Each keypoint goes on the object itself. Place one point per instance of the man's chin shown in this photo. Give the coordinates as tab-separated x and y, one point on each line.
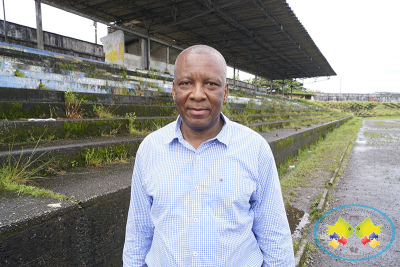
198	125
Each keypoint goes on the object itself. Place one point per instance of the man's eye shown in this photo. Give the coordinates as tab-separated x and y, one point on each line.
185	83
211	84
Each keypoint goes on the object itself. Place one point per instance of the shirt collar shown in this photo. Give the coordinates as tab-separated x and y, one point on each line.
223	135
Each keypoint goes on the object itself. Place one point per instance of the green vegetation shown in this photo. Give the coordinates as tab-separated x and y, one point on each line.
17	174
131	126
320	159
19	73
73	108
110	154
124	72
92	71
69	67
41	86
102	112
309	250
363	108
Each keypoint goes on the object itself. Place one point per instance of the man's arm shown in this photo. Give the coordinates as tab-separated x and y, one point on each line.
271	227
139	228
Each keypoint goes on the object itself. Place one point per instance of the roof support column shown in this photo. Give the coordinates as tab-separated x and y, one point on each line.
39	30
283	83
234	73
167	57
291	88
95	31
148	53
270	86
255	82
5	23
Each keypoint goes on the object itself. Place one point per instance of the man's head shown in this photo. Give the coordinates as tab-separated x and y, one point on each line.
200	87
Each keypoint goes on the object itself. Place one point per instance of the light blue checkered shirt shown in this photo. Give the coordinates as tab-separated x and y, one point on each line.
218	205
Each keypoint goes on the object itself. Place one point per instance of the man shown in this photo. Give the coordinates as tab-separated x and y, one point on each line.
205	190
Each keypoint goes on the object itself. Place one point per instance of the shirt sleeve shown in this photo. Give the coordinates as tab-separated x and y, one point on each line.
139	227
271	227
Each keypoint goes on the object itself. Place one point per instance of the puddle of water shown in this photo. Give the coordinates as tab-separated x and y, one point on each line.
297	220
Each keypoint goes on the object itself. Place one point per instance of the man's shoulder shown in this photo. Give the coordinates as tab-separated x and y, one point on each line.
244	134
160	136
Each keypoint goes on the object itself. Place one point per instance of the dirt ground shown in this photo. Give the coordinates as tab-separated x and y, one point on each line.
372	178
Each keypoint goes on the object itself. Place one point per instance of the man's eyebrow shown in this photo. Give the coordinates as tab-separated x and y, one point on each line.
185	77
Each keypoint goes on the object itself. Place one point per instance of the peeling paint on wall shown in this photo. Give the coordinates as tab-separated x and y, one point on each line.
114	47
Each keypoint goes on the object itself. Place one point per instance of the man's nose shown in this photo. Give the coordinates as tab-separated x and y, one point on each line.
198	92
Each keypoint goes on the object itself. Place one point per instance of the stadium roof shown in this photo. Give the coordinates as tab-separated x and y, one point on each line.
262	37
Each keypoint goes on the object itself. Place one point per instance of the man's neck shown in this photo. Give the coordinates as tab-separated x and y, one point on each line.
196	138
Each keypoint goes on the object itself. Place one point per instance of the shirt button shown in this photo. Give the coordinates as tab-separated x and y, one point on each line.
196	187
195	220
195	254
198	157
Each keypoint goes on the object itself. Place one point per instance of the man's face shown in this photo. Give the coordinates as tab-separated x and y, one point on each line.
200	89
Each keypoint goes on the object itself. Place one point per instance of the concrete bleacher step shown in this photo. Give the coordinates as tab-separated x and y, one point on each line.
39	65
25	131
16	103
18	95
68	153
57	110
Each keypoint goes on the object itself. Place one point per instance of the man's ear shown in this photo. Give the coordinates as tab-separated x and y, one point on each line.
173	90
226	92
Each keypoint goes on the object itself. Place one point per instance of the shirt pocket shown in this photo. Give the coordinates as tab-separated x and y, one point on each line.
229	193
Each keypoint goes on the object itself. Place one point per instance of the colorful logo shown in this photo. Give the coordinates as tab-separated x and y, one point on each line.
335	234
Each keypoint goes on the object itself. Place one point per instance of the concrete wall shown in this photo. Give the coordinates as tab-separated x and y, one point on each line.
379	97
92	234
289	146
26	36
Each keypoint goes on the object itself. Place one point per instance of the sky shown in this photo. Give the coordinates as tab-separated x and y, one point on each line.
359	38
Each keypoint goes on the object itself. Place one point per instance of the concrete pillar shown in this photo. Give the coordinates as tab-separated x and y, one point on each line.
271	82
148	54
291	88
255	82
234	77
95	31
167	60
39	30
5	23
143	49
283	84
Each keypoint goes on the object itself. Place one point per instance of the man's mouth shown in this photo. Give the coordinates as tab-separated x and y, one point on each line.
197	112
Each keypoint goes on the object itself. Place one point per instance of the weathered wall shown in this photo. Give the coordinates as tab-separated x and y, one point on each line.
90	235
380	97
288	147
114	47
26	36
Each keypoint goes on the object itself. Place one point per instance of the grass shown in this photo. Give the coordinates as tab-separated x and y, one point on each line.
310	248
69	67
18	174
111	154
19	73
363	108
322	159
103	112
131	123
73	108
